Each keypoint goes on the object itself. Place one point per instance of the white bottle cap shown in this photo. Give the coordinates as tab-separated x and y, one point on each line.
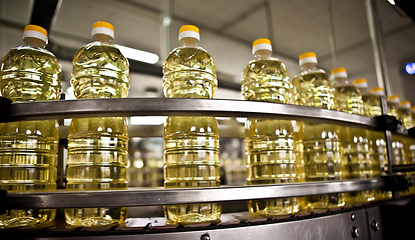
338	73
360	83
189	31
377	91
35	31
101	27
261	44
405	105
393	99
308	57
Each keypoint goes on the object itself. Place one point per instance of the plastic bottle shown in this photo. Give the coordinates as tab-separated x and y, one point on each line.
320	145
412	110
405	114
97	147
397	141
191	144
29	149
269	143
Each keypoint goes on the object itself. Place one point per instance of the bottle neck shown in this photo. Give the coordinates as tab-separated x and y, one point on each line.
262	54
34	42
103	38
189	42
308	66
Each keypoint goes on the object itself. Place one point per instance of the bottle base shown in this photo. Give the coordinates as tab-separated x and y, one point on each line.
94	217
26	218
186	214
274	207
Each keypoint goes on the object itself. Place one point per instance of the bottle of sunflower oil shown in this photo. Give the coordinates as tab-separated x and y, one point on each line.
408	142
269	143
366	158
29	149
404	113
377	143
397	141
97	147
320	142
412	110
191	144
356	158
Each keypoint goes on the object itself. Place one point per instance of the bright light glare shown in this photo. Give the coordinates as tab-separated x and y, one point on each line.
223	118
148	120
391	2
410	68
138	55
241	119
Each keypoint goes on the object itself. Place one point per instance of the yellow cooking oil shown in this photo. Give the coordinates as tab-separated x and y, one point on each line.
29	149
319	143
377	143
269	143
404	113
397	141
191	144
97	147
358	159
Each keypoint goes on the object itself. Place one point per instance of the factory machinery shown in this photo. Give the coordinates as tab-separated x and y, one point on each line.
362	221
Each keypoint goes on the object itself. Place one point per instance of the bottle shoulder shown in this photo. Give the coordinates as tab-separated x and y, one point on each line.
312	72
100	52
267	64
192	57
24	55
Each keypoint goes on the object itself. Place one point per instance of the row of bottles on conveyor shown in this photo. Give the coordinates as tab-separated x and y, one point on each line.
277	151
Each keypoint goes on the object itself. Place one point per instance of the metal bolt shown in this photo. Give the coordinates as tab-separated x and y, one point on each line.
205	237
374	225
353	217
355	232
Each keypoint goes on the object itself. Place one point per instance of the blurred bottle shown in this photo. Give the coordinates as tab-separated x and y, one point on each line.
412	110
374	148
29	149
404	113
97	147
397	141
191	144
269	143
320	145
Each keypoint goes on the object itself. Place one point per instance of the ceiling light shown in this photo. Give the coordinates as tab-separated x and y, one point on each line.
148	120
410	68
138	55
391	2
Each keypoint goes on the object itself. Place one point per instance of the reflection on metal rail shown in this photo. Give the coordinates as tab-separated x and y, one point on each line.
176	107
148	197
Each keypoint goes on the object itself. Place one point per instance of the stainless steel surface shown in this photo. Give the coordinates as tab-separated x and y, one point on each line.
159	196
377	45
338	226
374	223
184	107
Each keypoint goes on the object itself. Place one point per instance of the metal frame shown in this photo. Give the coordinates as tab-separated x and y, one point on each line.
181	107
151	197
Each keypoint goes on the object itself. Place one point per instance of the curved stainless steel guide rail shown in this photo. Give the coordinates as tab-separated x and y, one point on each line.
181	107
149	197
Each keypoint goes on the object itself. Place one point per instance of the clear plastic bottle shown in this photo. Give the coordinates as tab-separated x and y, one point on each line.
397	141
191	144
412	110
269	143
29	149
404	113
377	143
361	153
320	145
97	147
